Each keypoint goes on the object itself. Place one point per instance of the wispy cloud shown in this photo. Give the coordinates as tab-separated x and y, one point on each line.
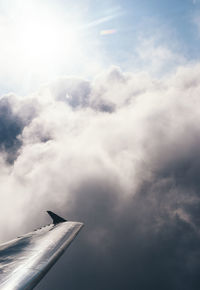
104	19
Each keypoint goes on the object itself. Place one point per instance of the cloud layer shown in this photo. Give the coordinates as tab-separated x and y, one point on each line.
120	153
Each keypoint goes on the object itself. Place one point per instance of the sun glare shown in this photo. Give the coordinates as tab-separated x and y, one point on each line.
44	39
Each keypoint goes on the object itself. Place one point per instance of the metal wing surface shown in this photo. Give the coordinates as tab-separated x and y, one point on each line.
24	261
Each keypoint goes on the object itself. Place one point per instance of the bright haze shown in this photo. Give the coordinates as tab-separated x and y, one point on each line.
99	122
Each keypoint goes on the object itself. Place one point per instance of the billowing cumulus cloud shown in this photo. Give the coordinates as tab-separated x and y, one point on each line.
120	153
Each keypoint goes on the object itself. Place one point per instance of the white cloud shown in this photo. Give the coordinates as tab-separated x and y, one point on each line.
120	152
152	124
157	57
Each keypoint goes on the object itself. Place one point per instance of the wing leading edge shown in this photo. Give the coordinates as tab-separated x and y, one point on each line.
25	260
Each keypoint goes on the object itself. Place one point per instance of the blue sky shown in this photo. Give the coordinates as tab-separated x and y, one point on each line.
171	23
45	40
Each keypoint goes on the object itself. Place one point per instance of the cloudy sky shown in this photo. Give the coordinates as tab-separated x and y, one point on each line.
100	122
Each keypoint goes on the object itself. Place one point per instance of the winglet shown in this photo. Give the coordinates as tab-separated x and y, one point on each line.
56	219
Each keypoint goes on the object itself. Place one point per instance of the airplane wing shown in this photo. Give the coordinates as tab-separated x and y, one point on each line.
24	261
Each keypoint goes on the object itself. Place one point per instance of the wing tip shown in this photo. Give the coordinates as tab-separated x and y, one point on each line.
56	218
